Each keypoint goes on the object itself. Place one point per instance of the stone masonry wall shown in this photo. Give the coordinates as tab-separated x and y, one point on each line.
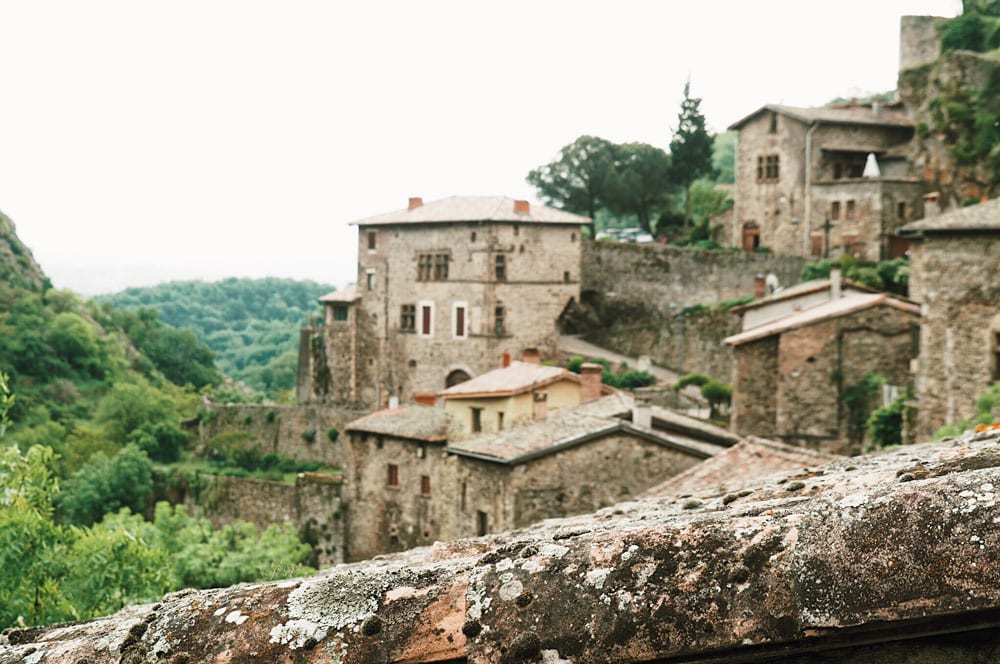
919	42
755	386
283	429
958	280
655	275
312	505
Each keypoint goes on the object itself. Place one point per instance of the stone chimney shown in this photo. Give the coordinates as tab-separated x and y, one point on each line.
759	286
393	401
522	207
642	411
541	405
531	356
590	381
836	281
506	359
415	202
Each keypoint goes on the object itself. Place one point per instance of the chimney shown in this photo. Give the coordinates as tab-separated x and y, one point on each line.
835	283
877	109
415	202
541	405
532	356
759	286
393	401
506	359
590	381
642	412
522	207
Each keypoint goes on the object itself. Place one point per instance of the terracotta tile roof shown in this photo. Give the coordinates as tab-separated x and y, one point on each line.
473	208
559	431
746	463
855	115
984	216
848	304
889	549
414	422
519	377
348	294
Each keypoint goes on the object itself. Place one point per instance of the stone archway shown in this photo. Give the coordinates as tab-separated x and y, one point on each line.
455	377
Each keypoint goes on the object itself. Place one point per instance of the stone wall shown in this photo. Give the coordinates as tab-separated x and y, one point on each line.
312	505
755	385
681	343
655	276
295	432
958	280
919	41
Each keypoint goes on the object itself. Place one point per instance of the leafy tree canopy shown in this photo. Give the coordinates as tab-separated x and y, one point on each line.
691	146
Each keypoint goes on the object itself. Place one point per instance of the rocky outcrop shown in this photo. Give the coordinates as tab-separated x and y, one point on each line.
17	266
882	555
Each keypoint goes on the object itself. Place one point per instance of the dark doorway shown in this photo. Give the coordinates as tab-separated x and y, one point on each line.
455	377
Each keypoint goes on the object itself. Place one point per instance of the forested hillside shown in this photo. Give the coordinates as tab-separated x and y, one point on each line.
252	325
92	401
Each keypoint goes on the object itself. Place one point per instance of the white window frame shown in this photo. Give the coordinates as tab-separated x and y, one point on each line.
462	304
370	278
420	318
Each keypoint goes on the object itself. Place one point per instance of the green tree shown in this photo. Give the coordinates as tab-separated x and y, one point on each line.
690	148
74	341
575	179
107	484
639	182
724	156
129	407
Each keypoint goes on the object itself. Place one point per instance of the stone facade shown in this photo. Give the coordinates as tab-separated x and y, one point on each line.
956	275
444	290
919	41
799	167
791	378
312	505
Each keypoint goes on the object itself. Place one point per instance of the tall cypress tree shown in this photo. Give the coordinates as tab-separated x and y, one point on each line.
690	149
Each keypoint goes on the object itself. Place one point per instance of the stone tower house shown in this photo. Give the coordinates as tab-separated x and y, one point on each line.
444	289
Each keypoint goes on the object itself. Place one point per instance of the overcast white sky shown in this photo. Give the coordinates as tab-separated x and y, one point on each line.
142	142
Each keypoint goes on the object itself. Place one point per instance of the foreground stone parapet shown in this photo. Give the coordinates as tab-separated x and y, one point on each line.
898	548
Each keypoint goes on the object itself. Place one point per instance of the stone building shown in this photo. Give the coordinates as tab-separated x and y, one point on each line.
792	300
444	289
955	274
520	393
794	378
414	477
825	181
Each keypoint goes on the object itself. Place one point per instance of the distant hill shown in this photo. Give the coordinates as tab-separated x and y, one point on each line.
17	266
252	325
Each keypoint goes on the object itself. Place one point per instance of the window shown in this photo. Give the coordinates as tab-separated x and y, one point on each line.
500	420
472	238
392	478
774	123
849	211
432	266
424	262
371	240
477	419
464	491
441	266
996	356
422	451
458	317
371	280
566	277
517	230
572	237
340	312
767	167
408	318
498	321
835	210
426	319
901	210
425	485
838	170
482	523
501	267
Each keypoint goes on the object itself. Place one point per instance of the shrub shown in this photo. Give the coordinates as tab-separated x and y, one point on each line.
885	425
309	435
332	434
698	379
717	394
270	416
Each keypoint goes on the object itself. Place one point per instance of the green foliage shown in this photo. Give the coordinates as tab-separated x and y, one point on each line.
251	325
74	341
106	484
332	435
690	148
892	276
129	407
693	378
6	402
858	399
885	425
639	183
625	378
986	403
724	156
633	378
574	180
309	435
717	394
975	30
